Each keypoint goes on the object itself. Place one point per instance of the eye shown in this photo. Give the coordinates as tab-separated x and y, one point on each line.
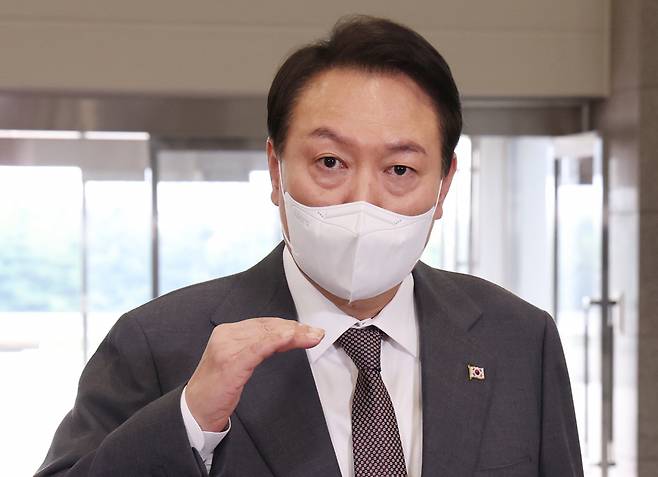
329	162
400	170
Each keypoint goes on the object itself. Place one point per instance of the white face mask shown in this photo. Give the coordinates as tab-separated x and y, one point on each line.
355	250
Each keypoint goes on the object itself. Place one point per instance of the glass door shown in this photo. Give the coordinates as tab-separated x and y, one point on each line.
581	303
73	256
538	230
214	212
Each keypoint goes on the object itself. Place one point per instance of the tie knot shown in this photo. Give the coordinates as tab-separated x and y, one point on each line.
363	346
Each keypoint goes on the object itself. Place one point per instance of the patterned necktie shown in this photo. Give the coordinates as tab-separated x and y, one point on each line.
376	441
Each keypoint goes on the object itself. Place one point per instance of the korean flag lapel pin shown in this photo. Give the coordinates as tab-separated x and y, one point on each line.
475	372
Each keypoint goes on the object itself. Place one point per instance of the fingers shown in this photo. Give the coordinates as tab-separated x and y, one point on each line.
301	337
233	352
289	334
272	335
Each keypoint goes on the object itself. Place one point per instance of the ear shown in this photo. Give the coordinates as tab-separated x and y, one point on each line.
445	187
274	166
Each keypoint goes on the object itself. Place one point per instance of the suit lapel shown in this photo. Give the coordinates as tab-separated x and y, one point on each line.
454	407
279	408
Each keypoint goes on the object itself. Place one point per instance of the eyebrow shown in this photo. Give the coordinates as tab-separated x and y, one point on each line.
395	146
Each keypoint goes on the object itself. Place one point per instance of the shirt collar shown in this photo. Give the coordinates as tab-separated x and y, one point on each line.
397	319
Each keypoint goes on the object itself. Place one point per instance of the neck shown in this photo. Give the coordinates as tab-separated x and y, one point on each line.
360	309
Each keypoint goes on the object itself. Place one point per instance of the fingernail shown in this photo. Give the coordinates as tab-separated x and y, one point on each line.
315	333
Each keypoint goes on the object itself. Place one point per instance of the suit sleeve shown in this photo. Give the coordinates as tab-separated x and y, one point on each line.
560	448
121	423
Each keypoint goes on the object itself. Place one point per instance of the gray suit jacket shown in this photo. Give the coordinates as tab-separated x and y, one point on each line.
519	421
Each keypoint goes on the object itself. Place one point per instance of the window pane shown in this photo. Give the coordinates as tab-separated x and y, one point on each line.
215	215
448	246
40	209
118	247
40	325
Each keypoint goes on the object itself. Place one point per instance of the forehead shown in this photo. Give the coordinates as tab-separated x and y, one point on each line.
370	104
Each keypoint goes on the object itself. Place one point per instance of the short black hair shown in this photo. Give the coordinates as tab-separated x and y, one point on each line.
374	45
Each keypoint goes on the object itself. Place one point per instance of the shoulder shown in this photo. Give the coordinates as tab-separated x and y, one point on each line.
502	314
179	315
186	305
191	308
487	295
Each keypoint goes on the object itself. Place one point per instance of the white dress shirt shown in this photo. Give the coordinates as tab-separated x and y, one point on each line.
335	374
203	441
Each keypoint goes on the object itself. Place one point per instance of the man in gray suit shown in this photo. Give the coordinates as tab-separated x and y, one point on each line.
339	353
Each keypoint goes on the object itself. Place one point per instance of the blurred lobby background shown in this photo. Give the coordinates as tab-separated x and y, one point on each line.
132	139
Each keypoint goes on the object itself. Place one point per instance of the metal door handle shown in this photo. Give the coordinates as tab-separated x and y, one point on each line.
607	364
588	302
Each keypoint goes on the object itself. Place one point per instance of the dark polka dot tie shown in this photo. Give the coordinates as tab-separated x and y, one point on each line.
376	441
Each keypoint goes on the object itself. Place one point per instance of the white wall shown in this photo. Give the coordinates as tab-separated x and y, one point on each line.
496	48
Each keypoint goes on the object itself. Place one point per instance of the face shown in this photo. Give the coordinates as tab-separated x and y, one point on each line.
358	136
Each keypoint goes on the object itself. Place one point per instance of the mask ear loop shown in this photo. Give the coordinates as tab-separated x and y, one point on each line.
438	198
286	239
280	175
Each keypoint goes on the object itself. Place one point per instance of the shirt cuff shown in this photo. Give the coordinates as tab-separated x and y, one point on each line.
203	441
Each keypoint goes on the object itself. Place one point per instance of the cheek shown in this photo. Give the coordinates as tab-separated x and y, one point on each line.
302	193
420	207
